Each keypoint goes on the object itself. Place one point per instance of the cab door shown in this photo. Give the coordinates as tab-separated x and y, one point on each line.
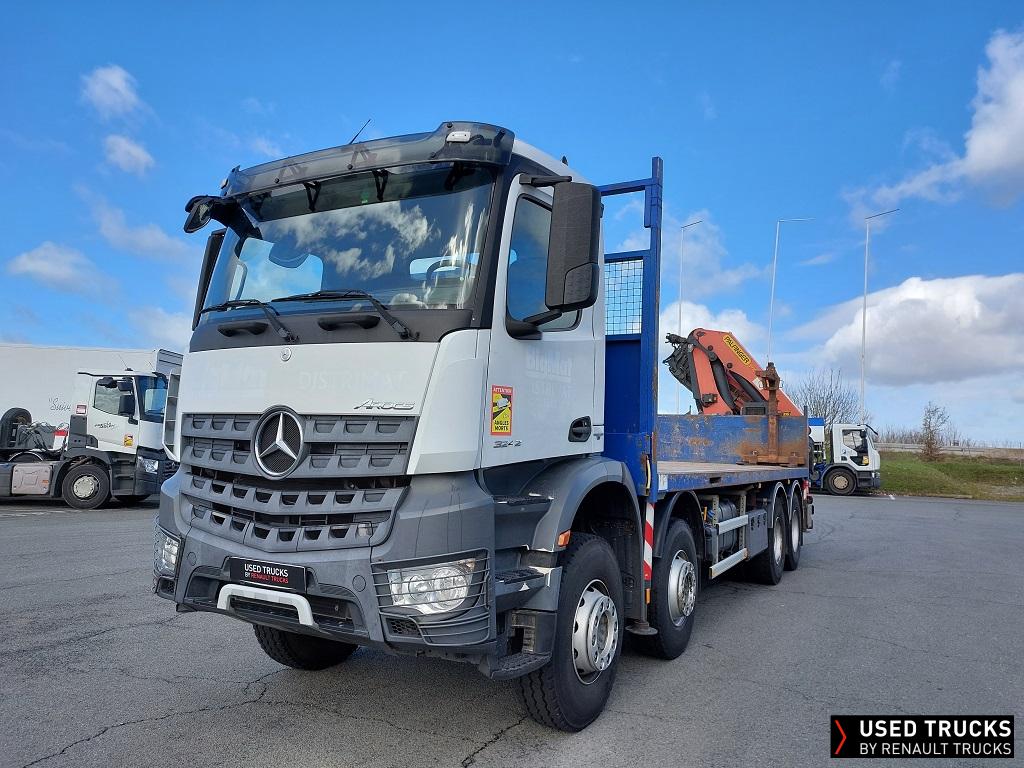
540	392
109	419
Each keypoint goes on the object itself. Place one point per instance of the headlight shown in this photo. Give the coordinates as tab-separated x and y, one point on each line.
165	552
434	588
152	466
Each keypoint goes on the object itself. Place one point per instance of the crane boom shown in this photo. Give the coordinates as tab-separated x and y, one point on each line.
723	377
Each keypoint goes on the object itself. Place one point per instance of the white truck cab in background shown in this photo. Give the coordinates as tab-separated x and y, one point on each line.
845	459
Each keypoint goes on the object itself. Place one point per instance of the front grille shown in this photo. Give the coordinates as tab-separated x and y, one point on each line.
337	446
342	493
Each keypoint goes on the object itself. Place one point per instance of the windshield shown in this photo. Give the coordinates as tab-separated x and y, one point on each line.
152	397
410	236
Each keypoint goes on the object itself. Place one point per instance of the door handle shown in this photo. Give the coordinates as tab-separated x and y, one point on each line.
580	429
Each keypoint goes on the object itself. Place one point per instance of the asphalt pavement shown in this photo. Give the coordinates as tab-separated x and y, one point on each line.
909	606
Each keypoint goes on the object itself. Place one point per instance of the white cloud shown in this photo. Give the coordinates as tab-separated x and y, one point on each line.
111	91
144	239
60	267
993	156
891	76
170	330
704	255
127	155
816	261
264	146
928	331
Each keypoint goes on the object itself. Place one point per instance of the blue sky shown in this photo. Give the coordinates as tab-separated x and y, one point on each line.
113	118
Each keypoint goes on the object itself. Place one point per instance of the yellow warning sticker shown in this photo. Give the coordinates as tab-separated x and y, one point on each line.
501	410
129	441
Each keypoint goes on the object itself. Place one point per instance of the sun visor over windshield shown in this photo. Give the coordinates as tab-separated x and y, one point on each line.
472	142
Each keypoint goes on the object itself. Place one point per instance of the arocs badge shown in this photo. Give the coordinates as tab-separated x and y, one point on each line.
501	410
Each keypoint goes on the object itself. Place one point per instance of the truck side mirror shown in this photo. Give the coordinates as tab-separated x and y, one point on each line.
126	405
573	276
200	211
213	243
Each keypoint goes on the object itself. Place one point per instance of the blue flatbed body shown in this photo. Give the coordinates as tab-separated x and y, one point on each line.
666	453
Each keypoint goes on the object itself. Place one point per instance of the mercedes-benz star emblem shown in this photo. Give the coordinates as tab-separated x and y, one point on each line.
279	443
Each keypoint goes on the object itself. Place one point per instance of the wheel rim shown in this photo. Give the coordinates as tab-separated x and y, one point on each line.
595	636
682	588
840	482
795	528
777	543
85	487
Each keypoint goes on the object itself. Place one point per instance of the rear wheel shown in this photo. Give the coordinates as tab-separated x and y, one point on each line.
767	566
86	486
674	588
795	535
301	651
571	690
840	482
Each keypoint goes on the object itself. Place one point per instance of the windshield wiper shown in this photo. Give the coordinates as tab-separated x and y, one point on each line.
268	310
403	330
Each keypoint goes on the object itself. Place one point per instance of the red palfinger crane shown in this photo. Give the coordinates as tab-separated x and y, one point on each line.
722	375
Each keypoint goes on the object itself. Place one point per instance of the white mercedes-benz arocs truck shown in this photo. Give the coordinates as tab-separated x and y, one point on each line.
418	412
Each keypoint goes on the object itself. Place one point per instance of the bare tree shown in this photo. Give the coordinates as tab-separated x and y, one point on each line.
823	393
933	427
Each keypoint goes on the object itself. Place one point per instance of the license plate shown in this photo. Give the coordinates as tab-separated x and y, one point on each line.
276	575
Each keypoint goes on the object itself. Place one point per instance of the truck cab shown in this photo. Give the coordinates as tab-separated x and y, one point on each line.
846	460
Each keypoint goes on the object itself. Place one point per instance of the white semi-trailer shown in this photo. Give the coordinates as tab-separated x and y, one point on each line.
417	413
83	424
41	379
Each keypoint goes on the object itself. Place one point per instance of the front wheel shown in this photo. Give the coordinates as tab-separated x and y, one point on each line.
674	588
86	486
571	690
301	651
840	482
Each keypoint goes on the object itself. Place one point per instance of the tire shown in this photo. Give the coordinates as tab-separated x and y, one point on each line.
559	695
672	609
795	537
767	567
86	486
131	499
840	482
301	651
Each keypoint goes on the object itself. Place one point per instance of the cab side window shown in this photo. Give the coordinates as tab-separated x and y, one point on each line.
528	264
106	399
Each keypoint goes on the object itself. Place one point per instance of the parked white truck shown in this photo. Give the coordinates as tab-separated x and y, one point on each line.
418	413
845	458
83	424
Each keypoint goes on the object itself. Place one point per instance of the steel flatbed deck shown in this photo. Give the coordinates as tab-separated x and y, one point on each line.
701	475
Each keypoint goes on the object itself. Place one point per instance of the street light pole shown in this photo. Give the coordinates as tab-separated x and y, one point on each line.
771	301
679	301
864	310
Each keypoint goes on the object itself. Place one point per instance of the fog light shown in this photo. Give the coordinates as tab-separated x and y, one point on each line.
165	552
434	588
151	466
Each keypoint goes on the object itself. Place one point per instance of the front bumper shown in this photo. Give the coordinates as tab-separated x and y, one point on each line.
869	480
440	518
